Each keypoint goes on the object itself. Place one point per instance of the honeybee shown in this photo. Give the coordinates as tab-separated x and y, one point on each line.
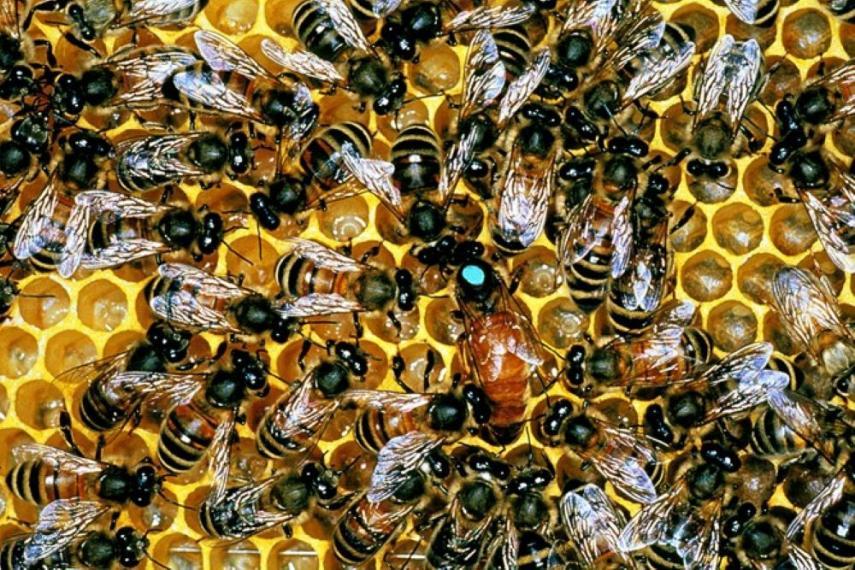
43	475
41	237
809	308
398	486
282	499
502	349
762	543
311	268
203	424
189	297
291	426
119	385
149	162
842	9
51	543
593	525
233	84
760	13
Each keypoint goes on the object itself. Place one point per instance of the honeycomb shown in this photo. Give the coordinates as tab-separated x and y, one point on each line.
725	257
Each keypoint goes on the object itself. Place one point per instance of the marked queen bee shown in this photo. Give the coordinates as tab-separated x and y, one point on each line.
189	297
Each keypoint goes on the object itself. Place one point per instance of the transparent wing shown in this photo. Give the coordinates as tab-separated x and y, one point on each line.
644	283
323	256
657	70
173	389
591	521
207	284
638	30
740	365
745	10
622	462
800	559
121	252
160	12
301	62
76	230
59	458
375	175
382	8
345	24
521	88
34	221
300	412
391	402
741	87
183	308
658	357
578	238
147	72
220	459
456	162
698	544
9	17
59	524
830	494
749	391
485	17
222	54
318	305
485	74
832	224
713	80
157	160
650	525
88	371
398	458
622	236
205	87
129	207
814	422
524	202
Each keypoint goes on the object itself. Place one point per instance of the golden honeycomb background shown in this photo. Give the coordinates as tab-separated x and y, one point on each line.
724	259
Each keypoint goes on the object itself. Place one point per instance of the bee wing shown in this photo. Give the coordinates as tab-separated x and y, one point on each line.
35	219
842	74
301	62
219	458
831	224
698	546
9	21
485	17
749	392
89	370
318	305
650	524
485	74
59	524
375	175
392	402
591	522
639	30
622	237
58	457
148	71
206	88
207	284
222	54
121	252
76	230
713	80
807	417
658	69
800	559
129	207
524	202
157	159
578	238
159	12
647	274
658	358
301	412
323	256
183	308
679	313
806	304
594	14
382	8
741	87
521	88
175	389
508	544
345	24
398	458
745	10
457	160
622	462
830	494
742	364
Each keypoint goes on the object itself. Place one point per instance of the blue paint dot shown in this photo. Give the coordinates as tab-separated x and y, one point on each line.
474	275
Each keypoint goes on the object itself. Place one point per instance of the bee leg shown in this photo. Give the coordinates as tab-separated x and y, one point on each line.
431	361
398	366
516	278
49	56
287	531
99	447
358	326
114	519
48	6
395	322
72	39
304	350
67	435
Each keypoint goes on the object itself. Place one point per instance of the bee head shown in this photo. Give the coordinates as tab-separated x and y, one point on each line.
97	550
392	97
146	484
476	280
322	481
575	367
446	413
209	152
255	313
557	415
68	94
331	378
211	234
352	357
478	403
171	343
132	547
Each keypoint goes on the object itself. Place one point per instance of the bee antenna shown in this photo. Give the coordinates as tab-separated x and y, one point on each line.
155	561
166	499
238	254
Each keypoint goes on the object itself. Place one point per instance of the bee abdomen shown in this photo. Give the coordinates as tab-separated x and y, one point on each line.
771	437
316	30
30	482
180	447
320	157
588	279
514	49
97	413
353	541
834	535
370	431
416	157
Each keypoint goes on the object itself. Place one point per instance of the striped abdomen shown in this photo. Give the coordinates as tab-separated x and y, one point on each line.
416	156
185	436
320	157
297	277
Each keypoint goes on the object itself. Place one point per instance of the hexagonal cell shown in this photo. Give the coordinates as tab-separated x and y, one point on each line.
293	555
423	368
236	556
538	272
765	35
359	464
102	306
702	21
738	228
690	228
179	552
775	331
763	185
440	322
732	325
560	323
847	37
18	352
68	349
791	229
232	17
412	113
344	220
754	277
806	33
254	260
711	191
39	404
43	302
821	264
706	276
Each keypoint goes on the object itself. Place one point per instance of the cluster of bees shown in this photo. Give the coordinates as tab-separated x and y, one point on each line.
671	450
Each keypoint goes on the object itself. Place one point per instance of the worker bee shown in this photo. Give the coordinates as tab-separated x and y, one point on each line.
43	475
189	297
119	385
150	162
203	424
502	349
107	229
762	542
399	484
760	13
826	522
41	237
417	156
230	83
459	540
292	425
842	9
311	268
809	307
281	499
593	525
